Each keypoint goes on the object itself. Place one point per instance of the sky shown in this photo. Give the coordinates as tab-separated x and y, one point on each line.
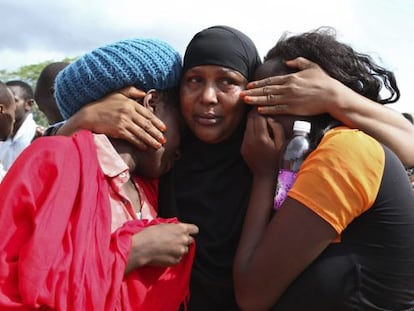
43	30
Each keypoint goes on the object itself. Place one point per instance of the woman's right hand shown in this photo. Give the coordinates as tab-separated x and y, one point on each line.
119	115
161	245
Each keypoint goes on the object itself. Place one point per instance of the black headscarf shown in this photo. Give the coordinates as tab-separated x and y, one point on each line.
222	46
210	184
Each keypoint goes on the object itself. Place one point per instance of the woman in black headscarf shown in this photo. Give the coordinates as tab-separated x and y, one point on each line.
210	183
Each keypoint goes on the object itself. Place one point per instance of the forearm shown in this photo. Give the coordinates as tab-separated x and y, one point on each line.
75	123
384	124
137	255
255	224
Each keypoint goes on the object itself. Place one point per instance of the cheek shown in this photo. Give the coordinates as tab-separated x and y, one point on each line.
173	136
186	105
19	109
6	125
234	110
171	119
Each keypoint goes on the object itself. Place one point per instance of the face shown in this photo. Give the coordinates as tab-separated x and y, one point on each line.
47	105
7	115
154	163
210	101
22	106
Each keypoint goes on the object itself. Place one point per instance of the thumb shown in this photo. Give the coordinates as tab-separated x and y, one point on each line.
191	228
132	92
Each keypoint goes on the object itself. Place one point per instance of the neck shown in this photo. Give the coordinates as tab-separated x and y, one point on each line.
18	123
125	151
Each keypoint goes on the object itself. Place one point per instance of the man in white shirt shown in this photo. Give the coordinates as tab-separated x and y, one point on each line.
24	128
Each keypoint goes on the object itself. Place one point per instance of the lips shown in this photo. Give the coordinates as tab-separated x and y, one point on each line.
207	119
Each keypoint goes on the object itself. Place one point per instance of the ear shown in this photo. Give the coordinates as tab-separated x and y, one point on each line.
151	100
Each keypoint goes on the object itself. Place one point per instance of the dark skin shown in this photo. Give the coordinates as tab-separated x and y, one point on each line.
7	112
263	267
162	244
288	94
210	101
44	91
129	120
311	91
23	107
273	251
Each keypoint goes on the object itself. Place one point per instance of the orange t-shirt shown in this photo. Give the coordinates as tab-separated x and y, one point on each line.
338	181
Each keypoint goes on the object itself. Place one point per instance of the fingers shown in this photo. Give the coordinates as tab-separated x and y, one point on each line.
138	136
273	110
153	120
259	126
267	92
145	129
132	92
187	240
278	132
147	120
263	87
140	139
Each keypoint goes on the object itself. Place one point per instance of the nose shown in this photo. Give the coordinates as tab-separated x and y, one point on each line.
209	94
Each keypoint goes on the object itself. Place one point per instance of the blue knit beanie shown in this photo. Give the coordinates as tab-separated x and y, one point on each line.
144	63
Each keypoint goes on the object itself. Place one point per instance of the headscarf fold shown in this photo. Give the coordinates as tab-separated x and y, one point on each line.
223	46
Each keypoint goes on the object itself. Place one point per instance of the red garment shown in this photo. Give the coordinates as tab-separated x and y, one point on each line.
56	249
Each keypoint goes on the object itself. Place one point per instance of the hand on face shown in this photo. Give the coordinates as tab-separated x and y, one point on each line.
164	244
262	143
118	115
153	163
307	92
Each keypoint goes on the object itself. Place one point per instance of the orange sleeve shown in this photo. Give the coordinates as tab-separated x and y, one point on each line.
340	179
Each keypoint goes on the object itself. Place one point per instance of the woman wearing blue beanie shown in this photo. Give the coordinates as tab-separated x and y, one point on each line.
210	183
80	229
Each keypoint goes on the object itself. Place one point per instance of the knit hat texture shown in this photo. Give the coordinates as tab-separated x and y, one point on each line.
144	63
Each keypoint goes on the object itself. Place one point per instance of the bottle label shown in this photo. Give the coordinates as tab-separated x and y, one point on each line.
285	180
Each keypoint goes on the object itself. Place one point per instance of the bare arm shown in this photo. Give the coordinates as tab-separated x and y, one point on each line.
272	252
311	91
118	115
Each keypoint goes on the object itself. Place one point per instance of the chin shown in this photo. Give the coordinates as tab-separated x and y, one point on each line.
210	138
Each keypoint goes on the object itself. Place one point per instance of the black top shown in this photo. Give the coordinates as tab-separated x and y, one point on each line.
210	187
372	268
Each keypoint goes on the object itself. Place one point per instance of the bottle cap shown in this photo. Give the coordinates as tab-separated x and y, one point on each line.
303	126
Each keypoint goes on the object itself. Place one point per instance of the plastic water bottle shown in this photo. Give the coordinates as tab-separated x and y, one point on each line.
295	152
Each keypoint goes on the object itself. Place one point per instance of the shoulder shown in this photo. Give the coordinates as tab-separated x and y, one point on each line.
351	146
59	147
